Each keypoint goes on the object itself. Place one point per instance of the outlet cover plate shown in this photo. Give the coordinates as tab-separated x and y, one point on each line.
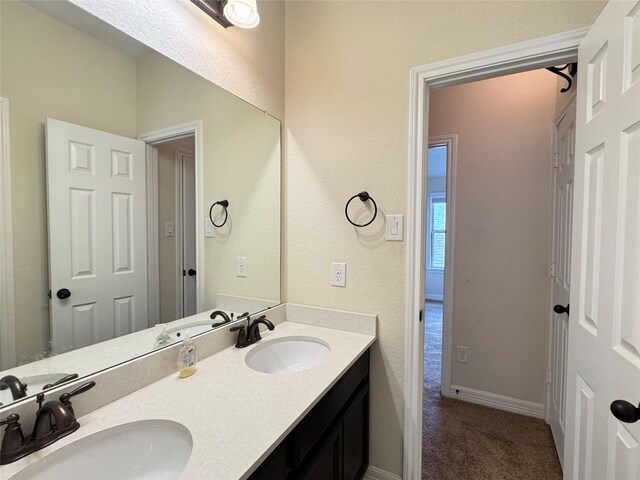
241	266
338	274
462	354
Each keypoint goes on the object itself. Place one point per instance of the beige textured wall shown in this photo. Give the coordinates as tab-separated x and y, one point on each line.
167	213
248	63
502	234
347	72
45	74
241	163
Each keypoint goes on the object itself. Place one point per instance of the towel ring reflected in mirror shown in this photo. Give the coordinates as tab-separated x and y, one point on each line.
224	204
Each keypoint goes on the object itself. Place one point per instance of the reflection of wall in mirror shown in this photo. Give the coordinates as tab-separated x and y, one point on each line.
241	163
50	69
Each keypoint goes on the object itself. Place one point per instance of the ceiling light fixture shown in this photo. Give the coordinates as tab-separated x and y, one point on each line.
241	13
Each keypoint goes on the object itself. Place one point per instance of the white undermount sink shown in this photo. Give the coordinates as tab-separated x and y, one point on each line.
287	354
150	449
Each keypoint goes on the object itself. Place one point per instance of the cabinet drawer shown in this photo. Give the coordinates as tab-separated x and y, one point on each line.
324	414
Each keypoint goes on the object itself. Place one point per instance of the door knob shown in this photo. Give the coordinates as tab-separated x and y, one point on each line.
625	411
560	309
191	272
63	293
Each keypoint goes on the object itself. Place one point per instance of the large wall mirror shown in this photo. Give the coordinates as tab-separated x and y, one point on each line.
144	198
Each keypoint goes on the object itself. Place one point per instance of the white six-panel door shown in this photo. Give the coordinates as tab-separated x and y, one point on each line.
97	235
604	327
564	159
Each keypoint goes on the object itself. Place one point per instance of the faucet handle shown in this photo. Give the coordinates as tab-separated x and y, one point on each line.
13	439
65	397
66	379
11	421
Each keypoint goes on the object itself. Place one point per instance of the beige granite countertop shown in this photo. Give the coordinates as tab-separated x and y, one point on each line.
236	416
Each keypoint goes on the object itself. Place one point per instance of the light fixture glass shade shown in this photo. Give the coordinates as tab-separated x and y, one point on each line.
242	13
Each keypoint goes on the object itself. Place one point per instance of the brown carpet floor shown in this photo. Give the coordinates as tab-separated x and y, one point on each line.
466	441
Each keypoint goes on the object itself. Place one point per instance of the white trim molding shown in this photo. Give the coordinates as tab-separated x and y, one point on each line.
175	132
500	402
375	473
451	142
7	308
179	227
537	53
153	260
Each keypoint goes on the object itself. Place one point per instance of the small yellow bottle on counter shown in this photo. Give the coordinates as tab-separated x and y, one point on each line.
187	357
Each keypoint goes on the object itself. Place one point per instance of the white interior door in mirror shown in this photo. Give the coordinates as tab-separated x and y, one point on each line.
604	326
189	303
97	235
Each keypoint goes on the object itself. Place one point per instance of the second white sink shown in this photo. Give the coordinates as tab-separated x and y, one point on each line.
287	354
150	450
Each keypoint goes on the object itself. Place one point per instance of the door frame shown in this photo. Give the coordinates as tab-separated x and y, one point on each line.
194	128
7	299
519	57
451	141
179	232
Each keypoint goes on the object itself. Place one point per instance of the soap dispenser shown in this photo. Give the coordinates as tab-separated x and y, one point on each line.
187	357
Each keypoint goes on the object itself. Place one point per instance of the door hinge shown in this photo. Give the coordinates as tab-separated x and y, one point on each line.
552	269
548	375
554	160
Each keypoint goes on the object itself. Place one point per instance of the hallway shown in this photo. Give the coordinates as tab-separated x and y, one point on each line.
466	441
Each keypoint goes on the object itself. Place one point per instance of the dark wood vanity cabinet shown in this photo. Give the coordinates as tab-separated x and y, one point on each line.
332	441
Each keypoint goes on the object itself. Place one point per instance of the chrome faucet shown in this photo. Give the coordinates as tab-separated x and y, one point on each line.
54	420
17	388
252	333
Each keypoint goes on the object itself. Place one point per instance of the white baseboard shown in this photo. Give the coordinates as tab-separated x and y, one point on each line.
435	298
500	402
375	473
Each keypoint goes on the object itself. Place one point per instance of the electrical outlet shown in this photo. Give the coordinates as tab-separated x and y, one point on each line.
241	266
462	355
339	274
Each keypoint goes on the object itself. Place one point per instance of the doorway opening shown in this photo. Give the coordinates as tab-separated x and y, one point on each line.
176	215
438	157
176	226
491	346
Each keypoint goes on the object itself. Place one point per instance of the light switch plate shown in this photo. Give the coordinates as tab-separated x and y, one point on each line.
209	231
241	266
169	229
395	227
338	274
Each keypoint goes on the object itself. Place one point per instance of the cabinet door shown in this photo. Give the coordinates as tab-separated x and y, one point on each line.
277	465
326	462
355	436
